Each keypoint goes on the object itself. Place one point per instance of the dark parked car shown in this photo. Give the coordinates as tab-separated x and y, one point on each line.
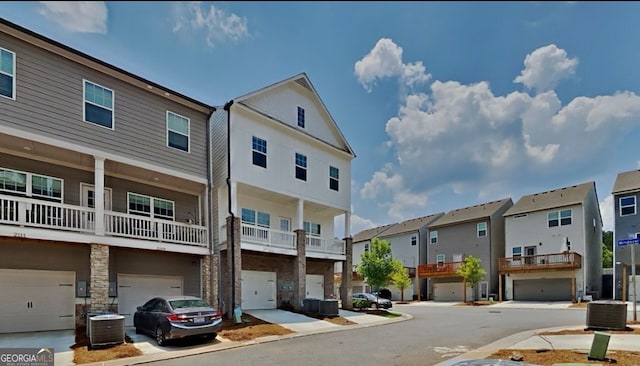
383	293
175	317
372	301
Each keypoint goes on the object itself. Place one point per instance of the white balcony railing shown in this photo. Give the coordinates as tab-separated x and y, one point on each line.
323	245
57	216
268	237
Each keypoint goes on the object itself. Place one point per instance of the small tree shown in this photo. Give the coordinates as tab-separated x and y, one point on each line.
400	279
377	264
471	271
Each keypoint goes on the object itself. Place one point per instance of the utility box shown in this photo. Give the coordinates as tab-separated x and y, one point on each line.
599	346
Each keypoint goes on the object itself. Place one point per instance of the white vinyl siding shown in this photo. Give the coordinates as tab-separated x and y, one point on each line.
178	130
627	206
7	74
139	204
31	185
98	104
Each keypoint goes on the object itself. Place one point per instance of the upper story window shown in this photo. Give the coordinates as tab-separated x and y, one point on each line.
557	218
414	240
433	236
481	228
7	73
259	147
98	104
366	247
31	185
301	167
334	178
150	206
312	228
627	206
300	117
440	258
516	252
254	217
178	131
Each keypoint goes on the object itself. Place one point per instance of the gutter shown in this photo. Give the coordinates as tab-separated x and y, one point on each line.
209	188
231	239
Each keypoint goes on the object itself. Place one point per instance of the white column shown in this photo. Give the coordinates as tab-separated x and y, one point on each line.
300	214
99	194
347	224
234	198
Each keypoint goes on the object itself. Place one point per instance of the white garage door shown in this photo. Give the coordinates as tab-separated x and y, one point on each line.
258	290
135	290
315	287
36	300
451	291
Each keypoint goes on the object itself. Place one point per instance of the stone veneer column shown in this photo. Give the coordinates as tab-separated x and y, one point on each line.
215	282
234	268
300	270
205	272
99	290
346	289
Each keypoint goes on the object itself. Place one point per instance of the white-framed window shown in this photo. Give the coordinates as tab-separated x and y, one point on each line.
627	205
253	217
414	240
433	236
301	167
98	104
142	205
366	247
440	258
481	229
334	178
300	117
7	74
259	148
516	252
559	218
31	185
312	228
178	131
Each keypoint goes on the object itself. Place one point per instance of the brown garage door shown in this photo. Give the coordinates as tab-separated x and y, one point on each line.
552	289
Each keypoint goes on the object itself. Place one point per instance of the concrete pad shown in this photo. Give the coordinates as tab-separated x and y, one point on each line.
626	342
290	320
361	318
60	340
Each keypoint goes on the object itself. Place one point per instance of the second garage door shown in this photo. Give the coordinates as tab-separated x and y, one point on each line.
450	291
258	290
135	290
550	289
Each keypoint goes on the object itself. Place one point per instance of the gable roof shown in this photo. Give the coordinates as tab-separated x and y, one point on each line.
410	225
368	234
561	197
627	182
303	80
471	213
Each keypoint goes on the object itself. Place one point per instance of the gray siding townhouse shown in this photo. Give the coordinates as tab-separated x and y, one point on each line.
471	231
103	187
626	192
284	178
553	246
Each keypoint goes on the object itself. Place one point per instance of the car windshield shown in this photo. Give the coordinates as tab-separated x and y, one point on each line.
370	297
188	303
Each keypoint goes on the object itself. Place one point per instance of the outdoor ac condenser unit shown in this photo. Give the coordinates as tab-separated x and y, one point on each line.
607	315
107	329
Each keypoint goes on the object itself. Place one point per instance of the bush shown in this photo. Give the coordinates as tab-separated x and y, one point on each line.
360	304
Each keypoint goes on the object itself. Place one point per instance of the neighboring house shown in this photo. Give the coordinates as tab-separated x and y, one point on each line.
553	246
471	231
626	193
285	176
103	187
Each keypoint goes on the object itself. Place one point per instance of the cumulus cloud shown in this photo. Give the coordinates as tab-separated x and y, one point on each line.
385	61
545	67
606	210
77	16
216	24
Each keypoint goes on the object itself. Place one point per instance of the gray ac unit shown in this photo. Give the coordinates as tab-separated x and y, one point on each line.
328	308
607	315
106	329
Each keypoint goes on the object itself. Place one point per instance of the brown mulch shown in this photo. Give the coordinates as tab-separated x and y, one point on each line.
250	328
550	357
82	353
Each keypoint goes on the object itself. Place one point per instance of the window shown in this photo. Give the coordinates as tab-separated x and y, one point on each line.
7	73
565	217
46	187
556	218
516	252
13	182
300	117
414	240
141	205
552	218
253	217
433	237
301	167
628	206
440	258
259	147
334	178
98	105
248	216
311	228
481	229
264	219
366	247
178	131
31	185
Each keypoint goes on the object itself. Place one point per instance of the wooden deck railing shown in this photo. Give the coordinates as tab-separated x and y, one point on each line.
542	262
443	269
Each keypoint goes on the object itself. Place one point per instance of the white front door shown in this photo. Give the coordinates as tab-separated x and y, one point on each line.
87	199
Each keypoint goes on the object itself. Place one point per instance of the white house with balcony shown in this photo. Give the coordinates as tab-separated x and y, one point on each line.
284	179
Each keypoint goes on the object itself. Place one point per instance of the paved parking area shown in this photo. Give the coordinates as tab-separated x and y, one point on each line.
60	340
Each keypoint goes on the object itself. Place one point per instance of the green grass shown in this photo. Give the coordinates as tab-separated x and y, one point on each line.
391	314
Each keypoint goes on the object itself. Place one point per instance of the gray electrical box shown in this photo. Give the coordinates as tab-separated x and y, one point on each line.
113	289
81	289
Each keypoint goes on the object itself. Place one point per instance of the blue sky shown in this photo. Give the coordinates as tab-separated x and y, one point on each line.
446	104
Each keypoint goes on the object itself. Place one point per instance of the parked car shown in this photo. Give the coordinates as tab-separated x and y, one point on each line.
383	293
167	318
372	301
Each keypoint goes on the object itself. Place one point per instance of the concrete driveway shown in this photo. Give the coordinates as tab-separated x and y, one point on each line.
60	340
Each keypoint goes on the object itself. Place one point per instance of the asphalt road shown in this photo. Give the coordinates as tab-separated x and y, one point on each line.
435	334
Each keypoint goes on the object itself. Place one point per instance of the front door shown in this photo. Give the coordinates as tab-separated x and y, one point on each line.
87	199
530	252
484	290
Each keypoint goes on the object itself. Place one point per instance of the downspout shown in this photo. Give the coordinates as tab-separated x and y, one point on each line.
208	198
231	239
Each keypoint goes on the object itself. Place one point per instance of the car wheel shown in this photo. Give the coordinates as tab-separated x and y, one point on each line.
160	337
138	330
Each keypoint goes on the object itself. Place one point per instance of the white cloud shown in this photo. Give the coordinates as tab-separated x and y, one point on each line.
77	16
384	61
606	210
217	25
359	223
545	67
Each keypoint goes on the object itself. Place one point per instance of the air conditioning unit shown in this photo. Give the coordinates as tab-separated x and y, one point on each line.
607	315
328	308
106	329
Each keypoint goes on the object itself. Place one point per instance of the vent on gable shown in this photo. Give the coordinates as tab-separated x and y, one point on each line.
303	82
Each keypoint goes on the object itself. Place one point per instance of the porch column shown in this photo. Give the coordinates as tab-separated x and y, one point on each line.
98	198
347	224
300	215
300	270
573	286
234	197
234	261
499	287
99	280
205	272
346	287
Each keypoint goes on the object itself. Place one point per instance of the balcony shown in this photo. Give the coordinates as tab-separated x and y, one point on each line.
543	262
315	244
442	269
32	213
267	237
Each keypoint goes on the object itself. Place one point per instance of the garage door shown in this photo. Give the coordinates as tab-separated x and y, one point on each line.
258	290
551	289
36	300
315	286
451	291
135	290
